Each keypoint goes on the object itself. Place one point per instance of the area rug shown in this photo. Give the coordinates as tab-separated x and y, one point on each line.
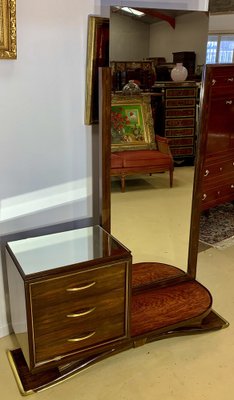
217	226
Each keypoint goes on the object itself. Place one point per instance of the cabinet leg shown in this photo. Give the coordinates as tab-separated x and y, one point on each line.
123	183
171	177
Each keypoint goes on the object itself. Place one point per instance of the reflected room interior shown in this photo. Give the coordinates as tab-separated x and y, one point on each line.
145	49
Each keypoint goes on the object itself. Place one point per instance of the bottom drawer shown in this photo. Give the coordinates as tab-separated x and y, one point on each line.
217	195
182	151
95	333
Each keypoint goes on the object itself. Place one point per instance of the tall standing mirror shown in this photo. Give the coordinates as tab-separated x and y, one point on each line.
149	205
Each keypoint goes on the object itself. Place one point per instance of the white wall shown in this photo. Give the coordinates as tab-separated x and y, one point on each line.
45	148
222	23
164	40
129	39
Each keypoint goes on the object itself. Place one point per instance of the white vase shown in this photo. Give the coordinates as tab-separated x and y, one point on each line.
179	73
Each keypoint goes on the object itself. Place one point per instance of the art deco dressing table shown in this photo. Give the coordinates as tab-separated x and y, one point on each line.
76	298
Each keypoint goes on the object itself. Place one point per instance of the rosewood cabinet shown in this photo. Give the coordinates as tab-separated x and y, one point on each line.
218	136
69	294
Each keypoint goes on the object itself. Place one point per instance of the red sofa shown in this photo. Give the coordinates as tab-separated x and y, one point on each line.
133	162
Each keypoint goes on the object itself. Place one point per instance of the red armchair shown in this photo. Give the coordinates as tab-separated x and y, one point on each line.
133	162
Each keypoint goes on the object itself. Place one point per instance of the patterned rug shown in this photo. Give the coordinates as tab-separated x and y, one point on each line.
217	226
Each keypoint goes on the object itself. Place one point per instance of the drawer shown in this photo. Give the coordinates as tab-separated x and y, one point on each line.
218	169
222	78
70	313
182	151
218	187
218	193
50	318
181	141
68	335
179	122
179	132
174	103
181	92
77	286
182	112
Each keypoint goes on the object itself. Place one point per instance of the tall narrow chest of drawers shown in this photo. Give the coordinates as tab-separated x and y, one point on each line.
69	295
217	131
179	115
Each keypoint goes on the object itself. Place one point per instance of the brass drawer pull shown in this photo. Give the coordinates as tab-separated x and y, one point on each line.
228	101
206	172
81	313
213	82
79	339
221	168
77	289
230	79
232	186
204	197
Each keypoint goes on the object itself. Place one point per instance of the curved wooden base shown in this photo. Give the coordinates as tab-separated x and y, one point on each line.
166	302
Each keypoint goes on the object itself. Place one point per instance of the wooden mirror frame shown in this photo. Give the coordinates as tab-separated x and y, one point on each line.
105	178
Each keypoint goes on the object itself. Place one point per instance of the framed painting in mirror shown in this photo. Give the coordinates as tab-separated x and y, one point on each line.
8	29
131	123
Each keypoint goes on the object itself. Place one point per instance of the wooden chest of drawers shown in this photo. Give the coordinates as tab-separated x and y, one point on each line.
218	132
179	109
61	312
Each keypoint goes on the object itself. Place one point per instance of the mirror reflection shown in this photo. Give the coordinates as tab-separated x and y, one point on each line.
146	49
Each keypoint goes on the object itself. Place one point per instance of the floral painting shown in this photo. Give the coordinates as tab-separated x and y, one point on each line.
127	124
131	123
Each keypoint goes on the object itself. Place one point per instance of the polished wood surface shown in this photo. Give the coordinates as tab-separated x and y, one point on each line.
217	128
158	313
89	307
165	307
71	308
105	147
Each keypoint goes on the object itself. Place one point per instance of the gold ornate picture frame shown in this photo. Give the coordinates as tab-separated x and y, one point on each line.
8	29
131	123
97	56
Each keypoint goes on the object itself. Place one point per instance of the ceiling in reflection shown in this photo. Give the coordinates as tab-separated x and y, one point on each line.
151	16
221	6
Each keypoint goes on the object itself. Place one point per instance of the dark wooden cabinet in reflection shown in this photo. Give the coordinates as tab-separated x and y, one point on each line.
143	72
178	117
218	133
188	59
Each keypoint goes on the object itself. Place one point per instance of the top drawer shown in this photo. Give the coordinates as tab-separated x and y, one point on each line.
221	76
93	282
181	92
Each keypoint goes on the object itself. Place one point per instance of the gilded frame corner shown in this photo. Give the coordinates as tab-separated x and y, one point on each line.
8	45
141	103
97	56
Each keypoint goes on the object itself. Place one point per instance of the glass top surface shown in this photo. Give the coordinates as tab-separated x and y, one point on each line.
56	250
